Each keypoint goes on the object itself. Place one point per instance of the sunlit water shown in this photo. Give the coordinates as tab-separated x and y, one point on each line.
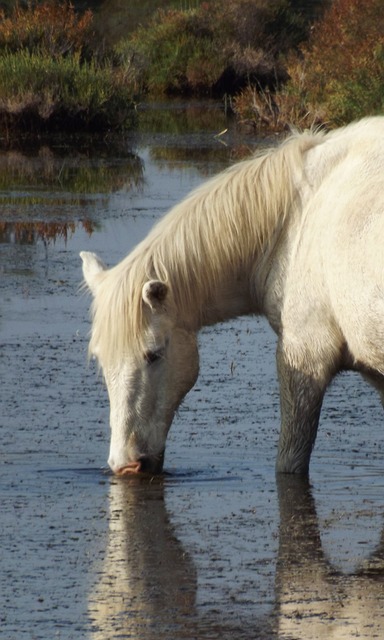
214	548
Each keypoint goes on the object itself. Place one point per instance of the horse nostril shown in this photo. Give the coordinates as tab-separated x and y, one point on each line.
151	464
142	463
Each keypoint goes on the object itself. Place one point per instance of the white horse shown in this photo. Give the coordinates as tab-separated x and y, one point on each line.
296	234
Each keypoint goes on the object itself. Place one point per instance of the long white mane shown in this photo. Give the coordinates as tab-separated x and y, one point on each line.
223	225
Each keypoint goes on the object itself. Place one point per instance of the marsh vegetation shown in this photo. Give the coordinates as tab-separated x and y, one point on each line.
274	63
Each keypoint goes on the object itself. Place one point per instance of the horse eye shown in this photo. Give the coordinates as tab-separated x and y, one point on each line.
153	356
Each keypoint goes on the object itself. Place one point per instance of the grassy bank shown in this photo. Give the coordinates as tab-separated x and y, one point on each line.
53	76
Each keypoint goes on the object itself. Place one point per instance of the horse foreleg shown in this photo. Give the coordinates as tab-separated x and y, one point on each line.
301	397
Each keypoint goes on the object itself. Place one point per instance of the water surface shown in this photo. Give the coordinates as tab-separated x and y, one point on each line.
215	548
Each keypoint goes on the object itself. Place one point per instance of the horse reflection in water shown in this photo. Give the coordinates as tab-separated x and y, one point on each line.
316	601
148	584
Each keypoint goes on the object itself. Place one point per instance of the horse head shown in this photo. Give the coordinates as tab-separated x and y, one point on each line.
145	385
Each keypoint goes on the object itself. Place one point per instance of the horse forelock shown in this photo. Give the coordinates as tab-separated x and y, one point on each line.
221	226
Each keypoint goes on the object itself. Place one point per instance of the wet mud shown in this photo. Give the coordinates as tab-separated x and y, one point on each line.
217	547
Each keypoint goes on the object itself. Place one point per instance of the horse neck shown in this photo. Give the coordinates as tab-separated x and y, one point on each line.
242	291
218	240
229	299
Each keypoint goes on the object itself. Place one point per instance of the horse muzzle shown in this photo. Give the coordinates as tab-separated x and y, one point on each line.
152	465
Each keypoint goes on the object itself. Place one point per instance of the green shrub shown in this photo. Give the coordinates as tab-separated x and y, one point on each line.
213	48
167	53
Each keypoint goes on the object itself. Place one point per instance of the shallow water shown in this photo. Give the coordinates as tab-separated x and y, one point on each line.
215	548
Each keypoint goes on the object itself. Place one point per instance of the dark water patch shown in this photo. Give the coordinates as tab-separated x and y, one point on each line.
195	476
86	475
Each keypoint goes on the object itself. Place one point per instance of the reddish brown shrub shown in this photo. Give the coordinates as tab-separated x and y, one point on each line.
341	75
51	27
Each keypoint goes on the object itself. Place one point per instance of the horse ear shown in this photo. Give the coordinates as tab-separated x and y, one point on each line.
93	267
154	293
